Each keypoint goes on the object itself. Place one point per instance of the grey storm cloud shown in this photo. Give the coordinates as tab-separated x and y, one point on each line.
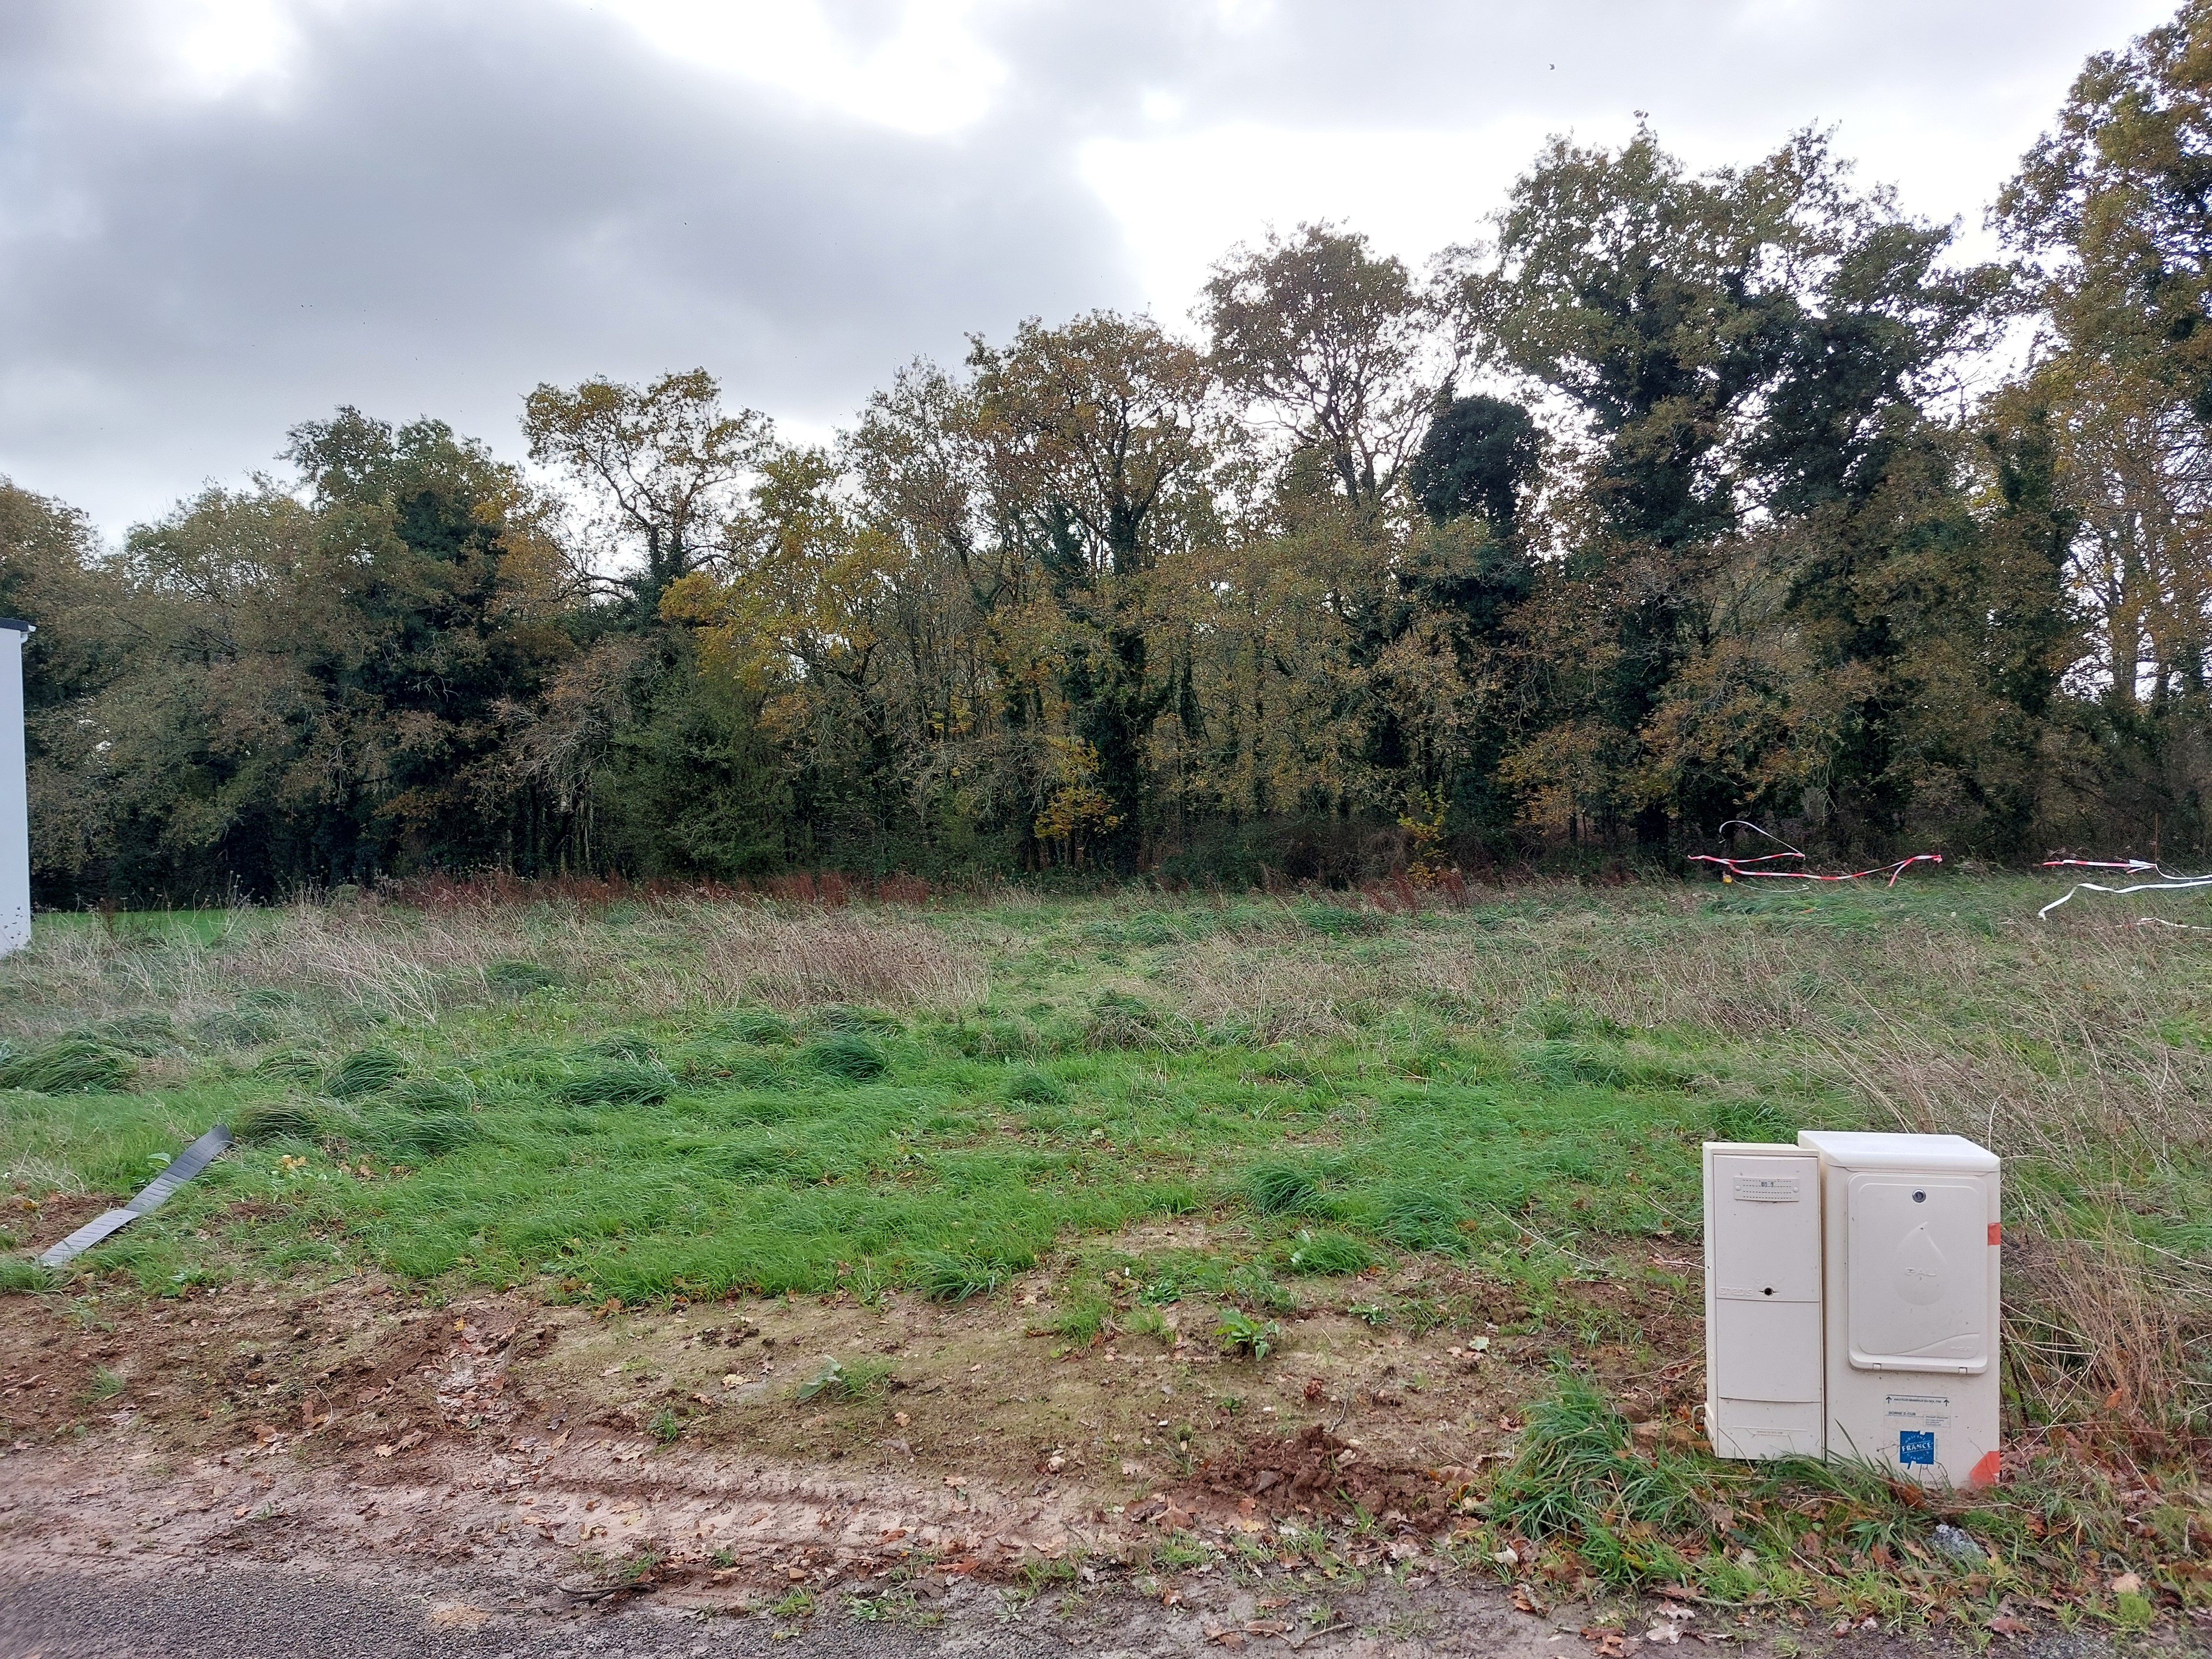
435	206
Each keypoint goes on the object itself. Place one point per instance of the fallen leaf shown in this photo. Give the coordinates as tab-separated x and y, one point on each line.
2127	1583
1608	1643
1524	1602
2005	1625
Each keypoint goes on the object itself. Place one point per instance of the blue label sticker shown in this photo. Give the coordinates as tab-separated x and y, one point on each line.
1915	1446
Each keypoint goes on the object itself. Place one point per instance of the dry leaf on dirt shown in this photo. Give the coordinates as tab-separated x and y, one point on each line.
1608	1643
2006	1625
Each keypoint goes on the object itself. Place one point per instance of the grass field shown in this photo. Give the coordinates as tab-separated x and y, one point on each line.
650	1102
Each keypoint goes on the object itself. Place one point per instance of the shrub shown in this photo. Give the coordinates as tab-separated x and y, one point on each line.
363	1073
68	1065
847	1055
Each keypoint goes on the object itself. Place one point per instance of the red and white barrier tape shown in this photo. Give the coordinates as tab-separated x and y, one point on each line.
1732	868
2166	883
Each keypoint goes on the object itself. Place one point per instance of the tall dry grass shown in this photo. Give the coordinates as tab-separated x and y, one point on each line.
389	961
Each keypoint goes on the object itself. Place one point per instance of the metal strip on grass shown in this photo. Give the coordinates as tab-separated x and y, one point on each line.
187	1165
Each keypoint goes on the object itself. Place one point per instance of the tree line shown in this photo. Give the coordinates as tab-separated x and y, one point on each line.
1677	498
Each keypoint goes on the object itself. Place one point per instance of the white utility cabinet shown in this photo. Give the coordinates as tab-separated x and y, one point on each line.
1911	1231
1852	1301
15	794
1763	1379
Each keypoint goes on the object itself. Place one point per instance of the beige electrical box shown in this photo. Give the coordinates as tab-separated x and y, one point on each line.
1764	1331
1911	1248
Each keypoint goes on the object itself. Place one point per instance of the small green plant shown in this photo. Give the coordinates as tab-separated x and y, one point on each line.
1238	1333
105	1385
20	1278
1083	1317
1146	1320
945	1277
837	1380
631	1570
1180	1551
665	1427
1370	1313
799	1604
868	1609
724	1557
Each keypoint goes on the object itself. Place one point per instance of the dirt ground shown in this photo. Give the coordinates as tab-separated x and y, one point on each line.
497	1465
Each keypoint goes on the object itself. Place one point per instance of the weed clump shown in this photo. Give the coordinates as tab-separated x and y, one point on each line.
1282	1189
235	1028
20	1278
1576	1477
1329	1253
423	1134
292	1065
277	1120
1036	1088
1414	1218
846	1055
762	1027
518	978
68	1065
363	1073
434	1094
619	1083
945	1277
837	1380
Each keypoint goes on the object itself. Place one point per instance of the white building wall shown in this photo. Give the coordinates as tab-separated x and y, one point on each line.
14	804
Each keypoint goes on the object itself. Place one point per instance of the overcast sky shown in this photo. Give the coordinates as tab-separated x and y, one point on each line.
219	217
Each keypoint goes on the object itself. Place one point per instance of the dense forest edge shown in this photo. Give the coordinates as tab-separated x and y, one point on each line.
1673	498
